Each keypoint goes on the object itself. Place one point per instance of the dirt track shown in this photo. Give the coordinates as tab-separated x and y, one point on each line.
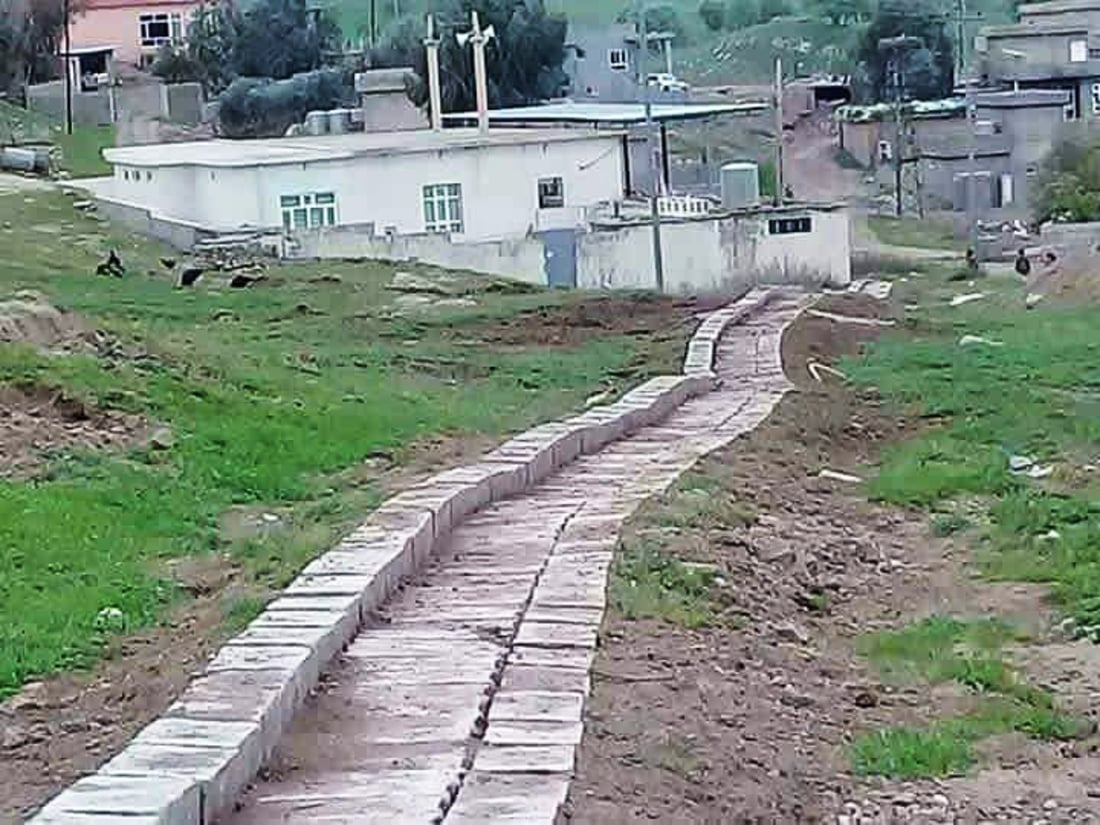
748	721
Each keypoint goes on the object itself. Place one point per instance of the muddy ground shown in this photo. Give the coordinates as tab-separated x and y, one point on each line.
747	722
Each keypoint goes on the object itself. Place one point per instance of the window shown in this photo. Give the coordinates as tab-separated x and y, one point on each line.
1006	190
160	29
551	193
443	207
790	226
617	60
1079	50
885	151
1096	99
308	211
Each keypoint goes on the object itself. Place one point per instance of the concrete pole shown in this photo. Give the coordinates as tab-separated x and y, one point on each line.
778	96
435	96
651	149
972	166
668	54
68	70
479	40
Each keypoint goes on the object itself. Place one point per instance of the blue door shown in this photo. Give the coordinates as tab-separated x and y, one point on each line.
559	251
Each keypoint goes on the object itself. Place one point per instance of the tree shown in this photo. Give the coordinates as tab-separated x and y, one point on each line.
927	70
740	14
660	18
713	14
843	12
31	34
272	39
1069	181
771	9
259	107
523	62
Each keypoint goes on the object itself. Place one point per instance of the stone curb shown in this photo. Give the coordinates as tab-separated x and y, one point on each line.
190	766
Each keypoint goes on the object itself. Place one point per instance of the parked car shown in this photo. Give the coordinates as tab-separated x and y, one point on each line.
667	82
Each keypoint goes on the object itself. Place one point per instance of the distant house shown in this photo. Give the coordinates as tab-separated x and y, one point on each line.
1055	46
136	29
602	64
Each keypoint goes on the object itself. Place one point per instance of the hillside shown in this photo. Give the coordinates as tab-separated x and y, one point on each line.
802	36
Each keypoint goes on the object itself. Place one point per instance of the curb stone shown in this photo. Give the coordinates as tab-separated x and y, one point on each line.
189	766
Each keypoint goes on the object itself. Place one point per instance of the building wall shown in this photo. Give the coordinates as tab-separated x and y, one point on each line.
591	76
1075	17
119	27
717	255
520	258
499	188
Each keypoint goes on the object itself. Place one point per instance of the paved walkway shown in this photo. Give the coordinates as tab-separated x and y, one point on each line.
463	703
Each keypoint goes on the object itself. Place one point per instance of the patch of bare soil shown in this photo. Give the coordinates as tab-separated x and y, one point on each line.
748	722
39	422
576	323
58	730
28	318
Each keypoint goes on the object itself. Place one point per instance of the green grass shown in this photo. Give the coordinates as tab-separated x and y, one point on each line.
82	151
274	396
940	650
1035	396
914	233
648	582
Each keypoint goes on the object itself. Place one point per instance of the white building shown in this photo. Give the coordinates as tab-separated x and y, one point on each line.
470	186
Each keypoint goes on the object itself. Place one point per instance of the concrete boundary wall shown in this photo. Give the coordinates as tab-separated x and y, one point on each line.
191	765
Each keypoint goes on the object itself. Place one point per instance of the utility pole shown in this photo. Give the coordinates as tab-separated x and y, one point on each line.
435	97
778	97
897	46
479	39
972	165
68	70
651	148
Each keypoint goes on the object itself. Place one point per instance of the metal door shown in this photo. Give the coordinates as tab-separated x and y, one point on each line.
559	254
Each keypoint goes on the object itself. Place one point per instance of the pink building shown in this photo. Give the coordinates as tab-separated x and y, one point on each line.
135	28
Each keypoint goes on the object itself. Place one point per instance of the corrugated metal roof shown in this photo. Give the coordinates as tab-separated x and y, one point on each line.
1034	29
609	113
1059	7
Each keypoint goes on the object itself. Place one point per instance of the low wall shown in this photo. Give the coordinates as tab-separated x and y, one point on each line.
89	108
1071	237
180	235
519	258
723	255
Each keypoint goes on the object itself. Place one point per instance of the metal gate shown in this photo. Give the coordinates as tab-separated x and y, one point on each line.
559	255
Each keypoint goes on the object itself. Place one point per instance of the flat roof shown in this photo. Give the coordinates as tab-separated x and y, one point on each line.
916	109
1044	29
310	149
1023	99
1058	7
622	114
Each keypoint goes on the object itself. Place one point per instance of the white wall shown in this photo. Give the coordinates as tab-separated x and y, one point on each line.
499	187
718	255
521	258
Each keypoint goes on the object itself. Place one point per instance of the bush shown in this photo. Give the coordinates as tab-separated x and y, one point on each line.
713	14
259	107
1069	184
176	66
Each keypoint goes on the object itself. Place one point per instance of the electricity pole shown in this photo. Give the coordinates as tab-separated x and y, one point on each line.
68	70
651	148
896	47
779	171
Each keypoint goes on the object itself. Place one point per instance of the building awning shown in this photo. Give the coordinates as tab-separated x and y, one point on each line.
615	114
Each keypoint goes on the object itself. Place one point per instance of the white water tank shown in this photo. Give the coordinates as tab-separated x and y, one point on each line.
339	121
317	123
740	185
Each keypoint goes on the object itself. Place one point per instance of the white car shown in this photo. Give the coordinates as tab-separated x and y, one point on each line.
667	82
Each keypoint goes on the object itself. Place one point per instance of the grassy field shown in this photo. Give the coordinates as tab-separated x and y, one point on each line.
1034	394
274	396
914	233
81	152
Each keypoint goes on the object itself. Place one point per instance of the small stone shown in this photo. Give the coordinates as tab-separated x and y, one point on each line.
162	439
905	799
790	632
941	801
1050	804
866	699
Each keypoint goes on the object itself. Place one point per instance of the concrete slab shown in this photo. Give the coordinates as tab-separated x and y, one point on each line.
536	677
526	705
537	759
171	800
531	799
534	733
557	634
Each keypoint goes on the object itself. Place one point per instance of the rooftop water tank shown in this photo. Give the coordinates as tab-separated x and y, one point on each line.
317	123
339	121
740	185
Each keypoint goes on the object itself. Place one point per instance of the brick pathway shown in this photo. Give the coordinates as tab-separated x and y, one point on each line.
463	703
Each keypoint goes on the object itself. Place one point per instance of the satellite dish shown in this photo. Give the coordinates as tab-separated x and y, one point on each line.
463	38
490	33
